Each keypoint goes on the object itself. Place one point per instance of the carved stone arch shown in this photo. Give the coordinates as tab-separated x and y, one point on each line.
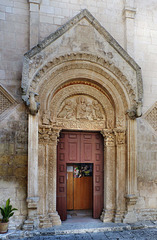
62	75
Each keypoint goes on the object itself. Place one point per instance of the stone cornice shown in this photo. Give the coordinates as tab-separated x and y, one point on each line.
129	12
34	1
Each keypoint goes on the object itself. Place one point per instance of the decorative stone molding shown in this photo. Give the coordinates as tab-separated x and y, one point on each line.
7	102
48	134
34	1
69	61
151	115
39	55
129	12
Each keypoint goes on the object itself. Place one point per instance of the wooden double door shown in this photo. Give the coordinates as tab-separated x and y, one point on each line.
76	148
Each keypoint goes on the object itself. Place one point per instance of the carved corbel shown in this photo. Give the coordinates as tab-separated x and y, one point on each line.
135	111
32	104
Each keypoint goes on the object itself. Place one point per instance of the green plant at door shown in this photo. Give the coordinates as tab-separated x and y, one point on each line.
7	211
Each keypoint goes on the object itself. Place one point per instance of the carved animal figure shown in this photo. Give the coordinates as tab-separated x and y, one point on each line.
136	111
33	106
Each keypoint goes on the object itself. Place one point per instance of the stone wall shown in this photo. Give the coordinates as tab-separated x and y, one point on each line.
147	171
13	163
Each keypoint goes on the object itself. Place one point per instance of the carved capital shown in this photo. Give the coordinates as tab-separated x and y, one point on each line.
120	135
129	12
109	139
48	134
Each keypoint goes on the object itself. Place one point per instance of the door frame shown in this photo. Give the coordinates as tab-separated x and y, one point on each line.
98	174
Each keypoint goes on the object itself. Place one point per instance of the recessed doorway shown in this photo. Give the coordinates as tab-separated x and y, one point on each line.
80	173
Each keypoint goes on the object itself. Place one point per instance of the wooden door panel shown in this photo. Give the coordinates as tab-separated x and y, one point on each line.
70	191
80	147
83	193
73	147
98	177
87	153
61	178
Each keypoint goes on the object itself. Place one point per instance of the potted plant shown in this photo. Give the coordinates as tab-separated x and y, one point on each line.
6	211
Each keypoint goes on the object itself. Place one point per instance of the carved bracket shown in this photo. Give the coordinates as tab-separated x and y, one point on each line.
135	111
32	104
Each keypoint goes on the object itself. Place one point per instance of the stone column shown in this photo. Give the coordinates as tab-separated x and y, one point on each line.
52	177
131	196
129	15
32	192
109	176
34	22
120	174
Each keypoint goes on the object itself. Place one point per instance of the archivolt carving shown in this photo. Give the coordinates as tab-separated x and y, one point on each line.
84	62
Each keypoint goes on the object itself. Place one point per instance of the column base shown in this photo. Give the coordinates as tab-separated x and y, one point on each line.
107	215
118	217
55	218
45	222
130	215
32	221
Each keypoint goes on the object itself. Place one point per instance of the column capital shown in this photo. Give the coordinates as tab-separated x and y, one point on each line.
109	138
129	12
48	134
120	134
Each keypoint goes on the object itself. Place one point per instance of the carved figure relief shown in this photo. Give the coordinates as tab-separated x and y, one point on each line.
81	107
67	110
46	119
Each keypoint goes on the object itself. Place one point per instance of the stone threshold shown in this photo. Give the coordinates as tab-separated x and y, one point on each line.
77	229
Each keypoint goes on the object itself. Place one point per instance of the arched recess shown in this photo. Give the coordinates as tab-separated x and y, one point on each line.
110	100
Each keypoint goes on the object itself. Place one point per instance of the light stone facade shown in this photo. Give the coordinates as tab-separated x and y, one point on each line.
87	75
